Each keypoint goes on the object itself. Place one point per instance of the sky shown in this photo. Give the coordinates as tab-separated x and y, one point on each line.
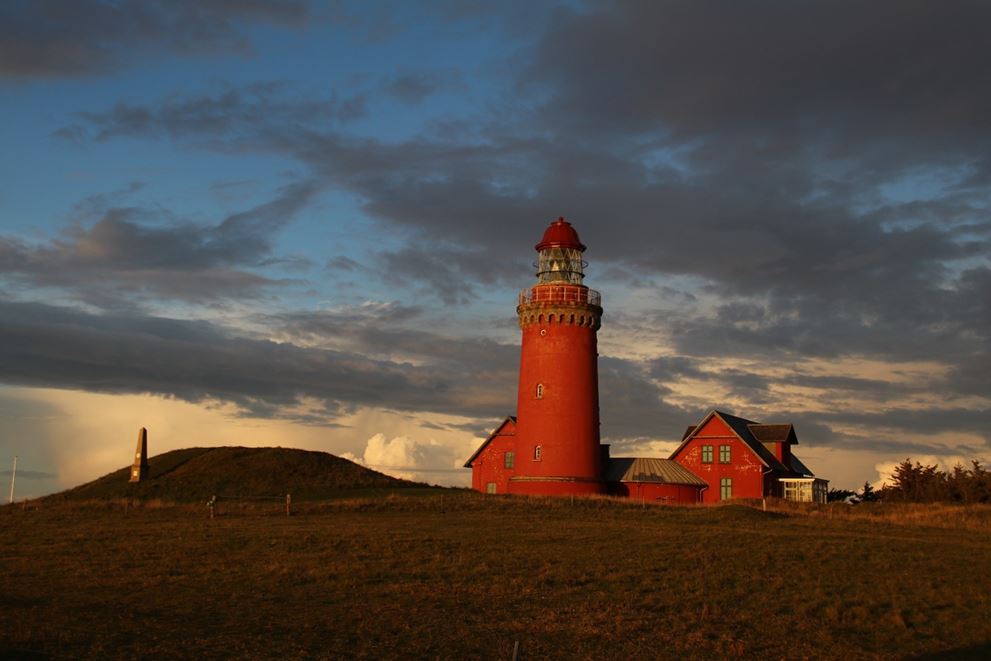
239	222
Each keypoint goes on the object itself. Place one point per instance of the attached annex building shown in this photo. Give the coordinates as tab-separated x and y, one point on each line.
552	446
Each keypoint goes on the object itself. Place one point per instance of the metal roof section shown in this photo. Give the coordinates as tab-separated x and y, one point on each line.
647	469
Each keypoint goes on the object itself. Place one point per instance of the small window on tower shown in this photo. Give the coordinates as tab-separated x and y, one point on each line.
540	391
537	453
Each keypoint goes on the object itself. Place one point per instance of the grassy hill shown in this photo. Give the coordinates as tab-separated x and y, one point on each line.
196	474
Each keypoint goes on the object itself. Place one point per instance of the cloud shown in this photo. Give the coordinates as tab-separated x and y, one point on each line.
837	70
83	37
47	346
412	87
810	181
234	113
406	458
129	252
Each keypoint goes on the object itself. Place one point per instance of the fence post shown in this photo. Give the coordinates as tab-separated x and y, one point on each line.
212	505
288	504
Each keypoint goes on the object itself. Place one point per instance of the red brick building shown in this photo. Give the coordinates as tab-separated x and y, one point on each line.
551	447
740	458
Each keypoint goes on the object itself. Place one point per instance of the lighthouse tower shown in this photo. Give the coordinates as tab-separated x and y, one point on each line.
557	426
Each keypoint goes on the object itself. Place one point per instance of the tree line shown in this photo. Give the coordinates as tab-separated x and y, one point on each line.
918	483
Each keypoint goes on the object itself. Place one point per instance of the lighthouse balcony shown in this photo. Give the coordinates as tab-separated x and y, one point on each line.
560	294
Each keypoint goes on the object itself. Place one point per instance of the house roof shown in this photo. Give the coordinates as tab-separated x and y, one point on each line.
784	433
799	467
688	431
647	469
742	428
510	419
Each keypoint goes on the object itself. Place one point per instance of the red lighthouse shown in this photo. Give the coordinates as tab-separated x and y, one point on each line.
557	428
552	445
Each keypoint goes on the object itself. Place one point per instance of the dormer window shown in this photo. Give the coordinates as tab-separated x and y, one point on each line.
540	391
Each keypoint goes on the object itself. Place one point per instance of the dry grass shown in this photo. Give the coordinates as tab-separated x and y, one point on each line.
976	518
464	576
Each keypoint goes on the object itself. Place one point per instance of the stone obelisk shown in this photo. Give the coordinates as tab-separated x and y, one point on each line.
139	471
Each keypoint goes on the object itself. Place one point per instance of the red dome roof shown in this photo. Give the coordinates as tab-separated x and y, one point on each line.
560	235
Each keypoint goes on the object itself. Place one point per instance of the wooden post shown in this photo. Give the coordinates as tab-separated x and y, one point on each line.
288	504
763	502
212	505
516	650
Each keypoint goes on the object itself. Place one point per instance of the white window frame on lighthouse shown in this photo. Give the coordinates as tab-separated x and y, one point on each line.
538	452
540	391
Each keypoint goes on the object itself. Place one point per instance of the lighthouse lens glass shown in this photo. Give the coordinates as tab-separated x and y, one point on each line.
560	265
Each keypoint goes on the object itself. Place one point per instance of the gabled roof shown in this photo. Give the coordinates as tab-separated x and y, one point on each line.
741	428
644	469
799	467
510	420
774	433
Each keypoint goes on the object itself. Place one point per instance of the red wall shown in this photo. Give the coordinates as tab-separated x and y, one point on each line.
656	493
745	468
565	420
548	487
781	452
489	466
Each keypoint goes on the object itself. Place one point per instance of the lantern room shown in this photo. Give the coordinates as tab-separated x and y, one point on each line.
559	258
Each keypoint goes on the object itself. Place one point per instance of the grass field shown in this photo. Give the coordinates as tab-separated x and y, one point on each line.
465	576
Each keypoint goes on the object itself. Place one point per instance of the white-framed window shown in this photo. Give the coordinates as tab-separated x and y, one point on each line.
490	487
538	452
540	391
509	460
725	488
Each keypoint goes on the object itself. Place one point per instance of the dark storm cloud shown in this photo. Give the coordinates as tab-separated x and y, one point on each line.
235	113
632	405
844	69
52	38
915	421
816	171
48	346
130	251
